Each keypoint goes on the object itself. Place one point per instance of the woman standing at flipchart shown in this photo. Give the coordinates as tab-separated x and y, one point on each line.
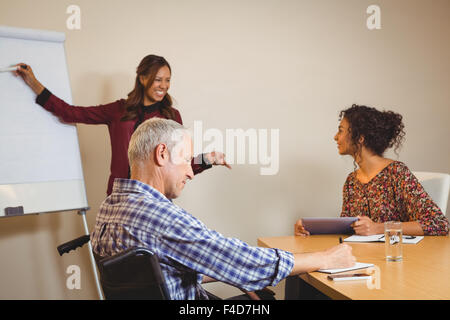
149	98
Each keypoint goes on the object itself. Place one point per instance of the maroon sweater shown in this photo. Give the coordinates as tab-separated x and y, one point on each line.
119	131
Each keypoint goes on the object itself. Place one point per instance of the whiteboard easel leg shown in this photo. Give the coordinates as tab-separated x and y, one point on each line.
91	255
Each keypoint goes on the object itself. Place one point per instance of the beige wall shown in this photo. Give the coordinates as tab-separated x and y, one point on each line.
290	65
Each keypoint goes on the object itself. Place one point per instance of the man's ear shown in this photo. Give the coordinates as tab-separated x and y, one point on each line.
161	154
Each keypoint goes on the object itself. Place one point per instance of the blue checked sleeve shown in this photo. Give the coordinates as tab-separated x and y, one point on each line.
285	265
190	243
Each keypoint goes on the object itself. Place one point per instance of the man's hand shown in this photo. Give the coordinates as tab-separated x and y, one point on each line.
366	227
339	257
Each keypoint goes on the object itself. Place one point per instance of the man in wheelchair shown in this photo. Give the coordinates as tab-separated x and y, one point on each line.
140	212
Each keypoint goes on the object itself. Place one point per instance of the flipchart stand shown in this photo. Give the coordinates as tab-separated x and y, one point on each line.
79	242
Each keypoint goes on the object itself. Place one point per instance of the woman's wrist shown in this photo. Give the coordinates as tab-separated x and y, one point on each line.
380	228
206	162
37	88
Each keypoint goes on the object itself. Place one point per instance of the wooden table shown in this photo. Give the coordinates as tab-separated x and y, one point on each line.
424	272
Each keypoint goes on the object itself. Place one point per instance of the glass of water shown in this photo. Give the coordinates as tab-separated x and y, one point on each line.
393	240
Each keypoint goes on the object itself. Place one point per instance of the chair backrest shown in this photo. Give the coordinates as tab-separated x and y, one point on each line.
132	274
437	185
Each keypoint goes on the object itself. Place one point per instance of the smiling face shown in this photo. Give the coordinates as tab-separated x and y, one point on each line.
159	87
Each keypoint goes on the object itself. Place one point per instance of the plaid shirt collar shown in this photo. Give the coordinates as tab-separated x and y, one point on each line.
135	186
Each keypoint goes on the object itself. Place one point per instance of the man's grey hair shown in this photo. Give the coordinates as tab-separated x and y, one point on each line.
151	133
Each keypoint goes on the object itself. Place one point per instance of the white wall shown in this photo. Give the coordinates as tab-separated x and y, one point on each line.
287	65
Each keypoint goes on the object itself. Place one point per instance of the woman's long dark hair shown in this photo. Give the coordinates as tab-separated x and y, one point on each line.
149	66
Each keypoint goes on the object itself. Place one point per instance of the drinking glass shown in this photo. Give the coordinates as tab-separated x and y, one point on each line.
393	240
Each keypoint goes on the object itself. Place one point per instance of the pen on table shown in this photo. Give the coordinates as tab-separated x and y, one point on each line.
340	239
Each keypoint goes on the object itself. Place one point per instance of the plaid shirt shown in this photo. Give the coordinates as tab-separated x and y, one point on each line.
135	214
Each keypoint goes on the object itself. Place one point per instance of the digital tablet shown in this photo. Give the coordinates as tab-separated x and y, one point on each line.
329	225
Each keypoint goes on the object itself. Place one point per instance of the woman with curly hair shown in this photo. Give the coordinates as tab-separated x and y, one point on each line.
381	189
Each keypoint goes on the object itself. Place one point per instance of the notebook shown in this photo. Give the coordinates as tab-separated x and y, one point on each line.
358	265
380	238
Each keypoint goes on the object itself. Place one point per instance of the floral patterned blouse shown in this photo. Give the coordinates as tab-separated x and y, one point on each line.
393	194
